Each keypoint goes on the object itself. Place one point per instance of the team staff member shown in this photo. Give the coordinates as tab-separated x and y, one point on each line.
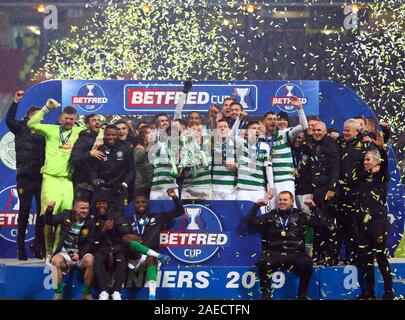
81	157
324	162
148	226
352	151
374	225
73	247
115	171
30	156
57	178
284	231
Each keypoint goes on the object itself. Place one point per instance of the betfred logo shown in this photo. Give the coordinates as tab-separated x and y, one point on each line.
282	97
9	206
90	97
165	97
195	237
159	98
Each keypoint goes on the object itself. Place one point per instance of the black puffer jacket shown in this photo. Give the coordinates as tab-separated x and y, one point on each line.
272	228
29	147
374	187
325	164
351	164
80	158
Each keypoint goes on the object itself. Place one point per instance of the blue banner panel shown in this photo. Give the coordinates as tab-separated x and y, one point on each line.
182	282
226	240
339	283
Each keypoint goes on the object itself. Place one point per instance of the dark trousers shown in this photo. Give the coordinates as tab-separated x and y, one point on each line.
26	190
299	263
82	193
373	243
324	246
347	220
119	269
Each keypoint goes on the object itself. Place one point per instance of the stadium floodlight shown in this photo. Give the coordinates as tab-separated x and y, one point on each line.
355	8
147	8
250	8
40	8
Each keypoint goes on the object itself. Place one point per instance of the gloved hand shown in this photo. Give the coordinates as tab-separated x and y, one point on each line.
123	187
164	258
98	183
187	85
50	105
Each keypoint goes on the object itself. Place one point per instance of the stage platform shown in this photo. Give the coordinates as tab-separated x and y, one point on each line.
32	279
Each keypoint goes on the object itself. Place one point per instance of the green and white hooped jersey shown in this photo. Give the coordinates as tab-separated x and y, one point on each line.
201	177
252	166
162	179
281	156
222	177
71	243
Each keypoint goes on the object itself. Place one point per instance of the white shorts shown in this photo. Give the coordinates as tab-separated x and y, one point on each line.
279	187
161	195
196	193
70	263
252	195
223	194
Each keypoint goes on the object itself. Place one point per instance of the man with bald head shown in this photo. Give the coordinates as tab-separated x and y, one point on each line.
352	151
324	163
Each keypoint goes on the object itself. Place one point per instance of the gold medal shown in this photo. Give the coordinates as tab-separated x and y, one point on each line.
283	233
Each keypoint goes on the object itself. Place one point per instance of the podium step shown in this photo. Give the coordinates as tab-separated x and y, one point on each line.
32	280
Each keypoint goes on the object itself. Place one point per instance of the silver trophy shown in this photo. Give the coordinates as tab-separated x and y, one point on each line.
289	90
289	93
243	93
14	193
193	213
90	88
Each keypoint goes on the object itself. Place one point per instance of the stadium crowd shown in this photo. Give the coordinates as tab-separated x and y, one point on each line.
320	197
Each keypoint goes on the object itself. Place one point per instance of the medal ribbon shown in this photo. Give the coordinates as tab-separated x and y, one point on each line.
63	141
141	225
285	222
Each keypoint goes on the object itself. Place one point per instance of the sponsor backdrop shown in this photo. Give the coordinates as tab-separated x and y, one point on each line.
211	233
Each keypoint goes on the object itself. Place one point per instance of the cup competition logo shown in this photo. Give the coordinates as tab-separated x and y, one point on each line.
90	97
282	97
9	206
195	237
152	97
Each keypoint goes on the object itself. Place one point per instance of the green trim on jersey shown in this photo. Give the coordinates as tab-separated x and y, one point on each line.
282	157
251	171
162	178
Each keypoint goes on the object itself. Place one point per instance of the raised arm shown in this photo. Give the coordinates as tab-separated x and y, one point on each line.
14	125
35	121
252	220
182	100
301	116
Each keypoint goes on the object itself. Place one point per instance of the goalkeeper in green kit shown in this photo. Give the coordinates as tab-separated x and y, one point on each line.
57	181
